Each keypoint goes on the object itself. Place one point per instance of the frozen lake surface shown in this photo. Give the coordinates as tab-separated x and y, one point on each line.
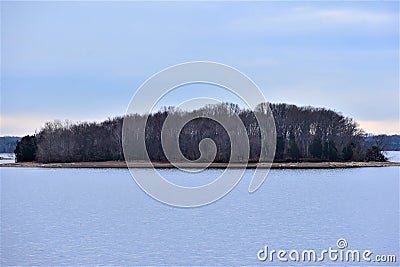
100	216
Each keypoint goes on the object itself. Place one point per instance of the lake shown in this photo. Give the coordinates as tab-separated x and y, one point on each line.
101	217
7	158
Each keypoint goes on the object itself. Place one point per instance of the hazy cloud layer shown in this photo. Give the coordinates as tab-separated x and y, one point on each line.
84	60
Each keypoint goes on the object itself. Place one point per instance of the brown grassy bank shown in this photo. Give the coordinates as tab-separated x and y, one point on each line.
122	164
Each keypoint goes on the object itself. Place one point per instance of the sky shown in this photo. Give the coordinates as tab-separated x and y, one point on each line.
83	60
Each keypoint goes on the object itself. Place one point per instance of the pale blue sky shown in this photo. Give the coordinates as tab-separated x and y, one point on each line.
84	60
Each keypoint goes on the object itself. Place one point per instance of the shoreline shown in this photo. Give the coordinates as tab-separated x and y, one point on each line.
275	165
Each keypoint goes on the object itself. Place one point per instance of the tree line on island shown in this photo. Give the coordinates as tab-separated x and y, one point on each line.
303	134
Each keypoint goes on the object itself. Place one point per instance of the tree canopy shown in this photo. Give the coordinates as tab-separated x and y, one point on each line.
303	133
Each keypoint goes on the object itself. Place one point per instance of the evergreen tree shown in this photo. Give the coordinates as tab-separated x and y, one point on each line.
26	149
375	154
316	147
280	147
293	151
348	152
330	150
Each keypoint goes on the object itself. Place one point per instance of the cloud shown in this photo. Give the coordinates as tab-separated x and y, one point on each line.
343	15
312	18
357	16
66	61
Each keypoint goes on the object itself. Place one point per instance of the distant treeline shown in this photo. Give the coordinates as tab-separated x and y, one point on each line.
8	143
303	134
387	142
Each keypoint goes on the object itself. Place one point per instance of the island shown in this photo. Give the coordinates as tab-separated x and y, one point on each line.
306	137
